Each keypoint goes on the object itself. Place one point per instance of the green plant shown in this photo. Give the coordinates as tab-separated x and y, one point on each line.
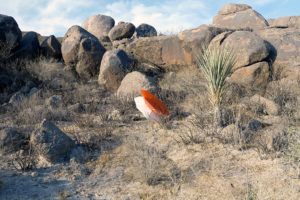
216	64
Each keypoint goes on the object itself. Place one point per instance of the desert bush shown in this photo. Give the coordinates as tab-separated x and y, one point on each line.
191	136
31	110
292	152
125	106
180	89
149	164
216	64
285	93
24	160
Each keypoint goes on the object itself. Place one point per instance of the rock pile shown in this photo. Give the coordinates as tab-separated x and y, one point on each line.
265	48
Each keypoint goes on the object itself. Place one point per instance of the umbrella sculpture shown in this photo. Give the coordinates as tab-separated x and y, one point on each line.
151	107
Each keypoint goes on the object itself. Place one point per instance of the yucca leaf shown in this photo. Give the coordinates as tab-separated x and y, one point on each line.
216	64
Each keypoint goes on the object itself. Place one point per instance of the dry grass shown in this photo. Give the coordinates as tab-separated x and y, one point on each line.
191	159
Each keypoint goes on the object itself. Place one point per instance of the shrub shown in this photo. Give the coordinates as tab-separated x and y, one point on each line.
216	64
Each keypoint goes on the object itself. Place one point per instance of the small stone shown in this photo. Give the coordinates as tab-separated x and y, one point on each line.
254	125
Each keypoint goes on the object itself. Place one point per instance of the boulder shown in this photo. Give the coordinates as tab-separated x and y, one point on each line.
50	142
249	47
162	50
99	25
286	22
122	30
285	51
254	125
145	30
134	82
51	48
10	35
269	106
114	66
239	16
172	50
29	48
82	51
252	76
10	140
194	39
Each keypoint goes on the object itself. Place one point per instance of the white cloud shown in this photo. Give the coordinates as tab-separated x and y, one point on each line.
165	16
44	16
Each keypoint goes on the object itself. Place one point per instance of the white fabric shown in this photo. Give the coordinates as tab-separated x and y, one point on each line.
147	112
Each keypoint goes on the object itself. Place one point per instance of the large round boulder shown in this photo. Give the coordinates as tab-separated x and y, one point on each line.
83	51
51	48
29	48
122	30
237	16
249	47
145	30
114	66
10	35
253	76
99	25
134	82
285	51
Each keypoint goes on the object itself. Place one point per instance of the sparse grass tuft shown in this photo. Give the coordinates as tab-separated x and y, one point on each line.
292	152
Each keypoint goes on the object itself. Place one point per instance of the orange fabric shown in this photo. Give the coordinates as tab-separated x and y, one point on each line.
154	103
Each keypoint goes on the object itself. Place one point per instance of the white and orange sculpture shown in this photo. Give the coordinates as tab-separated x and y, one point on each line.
151	107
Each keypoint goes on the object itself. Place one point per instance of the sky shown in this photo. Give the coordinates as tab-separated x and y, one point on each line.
54	17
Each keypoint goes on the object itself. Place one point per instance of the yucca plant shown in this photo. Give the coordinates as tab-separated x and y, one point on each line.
216	64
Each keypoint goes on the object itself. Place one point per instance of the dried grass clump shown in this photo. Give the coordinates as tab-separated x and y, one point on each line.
31	110
286	94
292	152
149	164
